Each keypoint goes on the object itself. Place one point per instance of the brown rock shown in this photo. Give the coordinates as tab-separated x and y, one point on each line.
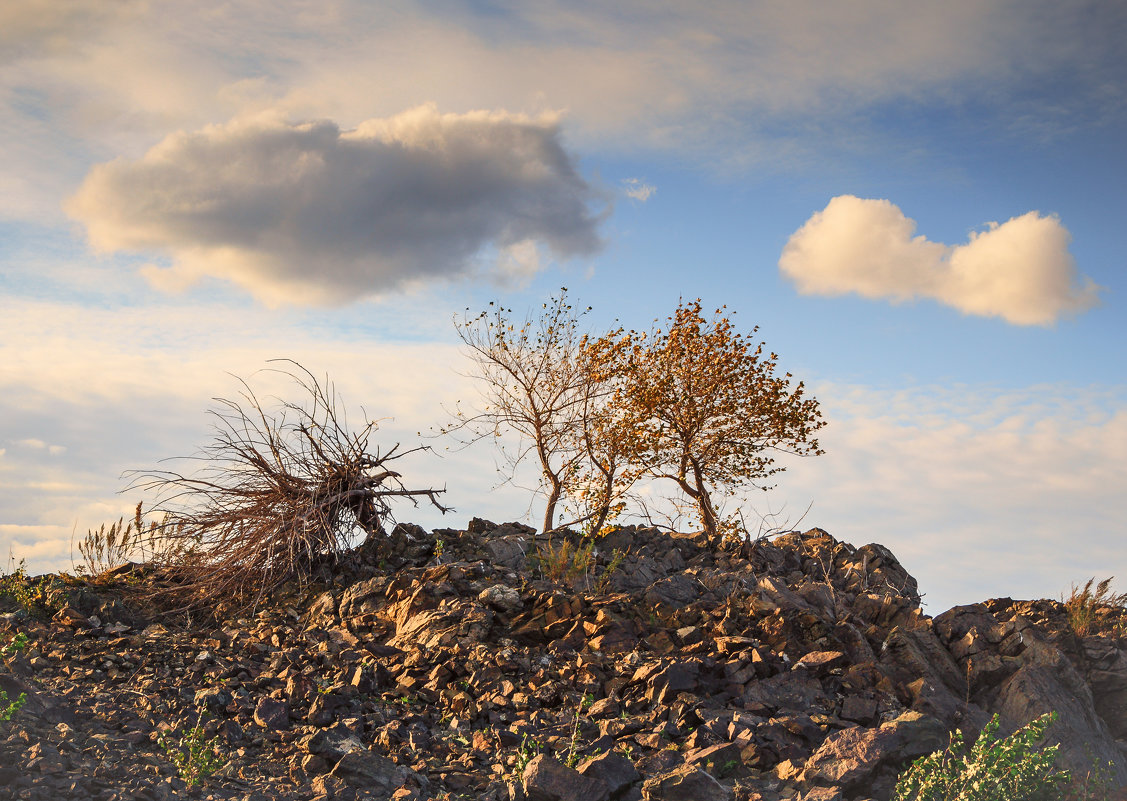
272	714
547	779
613	770
684	783
850	757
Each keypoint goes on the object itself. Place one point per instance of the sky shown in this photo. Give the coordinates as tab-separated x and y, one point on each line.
920	205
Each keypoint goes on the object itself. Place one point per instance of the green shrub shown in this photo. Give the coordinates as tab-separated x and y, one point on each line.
18	643
7	710
194	757
41	597
1010	769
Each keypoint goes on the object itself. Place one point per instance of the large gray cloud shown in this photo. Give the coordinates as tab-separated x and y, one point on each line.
310	213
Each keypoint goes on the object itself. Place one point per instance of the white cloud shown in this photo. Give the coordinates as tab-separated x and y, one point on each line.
304	213
980	492
637	189
1019	270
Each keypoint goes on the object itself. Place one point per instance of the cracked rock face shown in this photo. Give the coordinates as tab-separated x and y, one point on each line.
795	668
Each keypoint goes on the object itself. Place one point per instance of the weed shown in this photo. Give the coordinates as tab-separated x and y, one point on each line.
528	750
1083	605
104	549
603	582
1012	768
7	710
40	597
18	643
194	757
572	757
565	562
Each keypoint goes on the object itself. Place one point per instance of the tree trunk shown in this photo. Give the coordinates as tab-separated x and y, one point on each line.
553	499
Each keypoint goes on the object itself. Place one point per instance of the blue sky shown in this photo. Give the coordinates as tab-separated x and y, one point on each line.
920	205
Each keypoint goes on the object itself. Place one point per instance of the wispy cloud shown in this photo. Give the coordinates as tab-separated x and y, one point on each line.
302	213
40	445
978	490
1019	270
637	189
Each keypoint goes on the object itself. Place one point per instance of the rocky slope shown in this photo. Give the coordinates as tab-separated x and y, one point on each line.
444	665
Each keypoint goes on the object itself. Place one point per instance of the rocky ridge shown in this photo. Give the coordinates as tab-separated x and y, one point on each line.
443	665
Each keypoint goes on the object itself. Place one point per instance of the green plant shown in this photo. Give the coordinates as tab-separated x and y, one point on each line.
7	710
18	643
527	750
194	757
42	597
584	704
1013	768
602	584
1083	604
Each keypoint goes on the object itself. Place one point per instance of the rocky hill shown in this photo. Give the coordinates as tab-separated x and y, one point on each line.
448	665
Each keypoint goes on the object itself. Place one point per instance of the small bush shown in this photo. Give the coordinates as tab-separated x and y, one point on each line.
194	757
1010	769
18	643
1084	604
40	597
565	562
7	710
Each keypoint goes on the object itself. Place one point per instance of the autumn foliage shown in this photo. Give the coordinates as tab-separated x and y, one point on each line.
694	402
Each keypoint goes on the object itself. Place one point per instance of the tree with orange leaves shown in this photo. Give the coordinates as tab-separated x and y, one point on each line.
701	405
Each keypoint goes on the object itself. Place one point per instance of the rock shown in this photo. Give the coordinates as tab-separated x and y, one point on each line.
803	665
822	794
332	744
547	779
719	760
684	783
502	598
272	714
677	677
820	662
849	758
374	773
613	770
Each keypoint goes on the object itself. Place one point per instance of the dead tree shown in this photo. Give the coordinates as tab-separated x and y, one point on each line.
277	493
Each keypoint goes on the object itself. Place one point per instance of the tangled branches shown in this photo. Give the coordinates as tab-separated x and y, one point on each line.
277	493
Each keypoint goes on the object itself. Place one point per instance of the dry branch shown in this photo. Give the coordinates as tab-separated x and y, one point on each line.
277	493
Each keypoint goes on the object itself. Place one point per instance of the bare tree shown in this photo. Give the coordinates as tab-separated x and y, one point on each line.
278	491
535	383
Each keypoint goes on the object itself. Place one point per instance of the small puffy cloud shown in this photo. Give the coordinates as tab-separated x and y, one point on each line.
636	189
1019	270
299	213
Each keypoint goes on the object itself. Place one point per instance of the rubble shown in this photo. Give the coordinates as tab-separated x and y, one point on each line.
793	668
